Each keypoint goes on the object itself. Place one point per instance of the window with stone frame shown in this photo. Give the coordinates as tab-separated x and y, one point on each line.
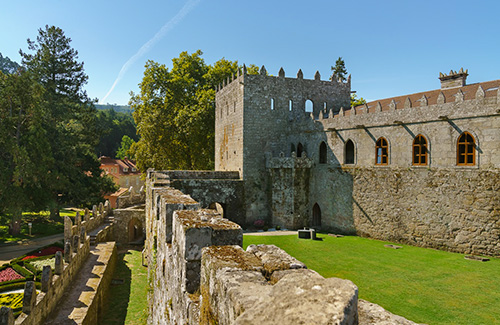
420	151
466	150
381	152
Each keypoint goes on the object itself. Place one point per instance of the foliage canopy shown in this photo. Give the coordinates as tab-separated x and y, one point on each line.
48	131
175	112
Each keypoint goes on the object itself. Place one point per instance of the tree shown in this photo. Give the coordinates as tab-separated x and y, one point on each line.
339	71
355	101
23	146
124	150
175	112
74	175
8	66
112	127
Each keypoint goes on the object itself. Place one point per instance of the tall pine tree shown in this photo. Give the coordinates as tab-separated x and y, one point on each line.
74	176
339	71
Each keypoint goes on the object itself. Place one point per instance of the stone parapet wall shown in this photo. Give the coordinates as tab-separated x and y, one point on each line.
46	302
103	271
198	174
200	274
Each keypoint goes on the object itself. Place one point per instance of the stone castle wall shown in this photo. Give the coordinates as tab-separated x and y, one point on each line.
437	205
199	274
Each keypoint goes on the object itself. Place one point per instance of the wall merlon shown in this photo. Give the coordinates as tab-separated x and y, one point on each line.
376	116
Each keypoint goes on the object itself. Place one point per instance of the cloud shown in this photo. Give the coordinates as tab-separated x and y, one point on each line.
149	44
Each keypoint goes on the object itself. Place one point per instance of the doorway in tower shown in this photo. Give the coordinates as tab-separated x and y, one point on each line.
316	220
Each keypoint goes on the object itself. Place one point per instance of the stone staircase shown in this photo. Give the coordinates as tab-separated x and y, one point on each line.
108	222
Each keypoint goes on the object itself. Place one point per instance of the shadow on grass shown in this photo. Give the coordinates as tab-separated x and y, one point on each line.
115	311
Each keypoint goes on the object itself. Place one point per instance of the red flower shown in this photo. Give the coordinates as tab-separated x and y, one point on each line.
46	251
9	274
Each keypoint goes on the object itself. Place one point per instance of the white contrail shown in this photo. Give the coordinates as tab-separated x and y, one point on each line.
147	46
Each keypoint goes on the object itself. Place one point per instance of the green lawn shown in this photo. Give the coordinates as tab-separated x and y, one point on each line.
423	285
127	303
42	225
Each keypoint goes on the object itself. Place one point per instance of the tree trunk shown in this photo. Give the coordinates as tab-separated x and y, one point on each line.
15	223
54	214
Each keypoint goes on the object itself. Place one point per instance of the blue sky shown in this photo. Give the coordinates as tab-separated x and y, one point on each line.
390	47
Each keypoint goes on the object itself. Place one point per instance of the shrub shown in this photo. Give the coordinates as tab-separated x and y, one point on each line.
21	270
278	228
12	286
31	268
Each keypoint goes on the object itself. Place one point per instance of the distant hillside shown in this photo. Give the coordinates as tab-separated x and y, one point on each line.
116	108
7	65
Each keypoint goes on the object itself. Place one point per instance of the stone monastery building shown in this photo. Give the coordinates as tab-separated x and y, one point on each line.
421	169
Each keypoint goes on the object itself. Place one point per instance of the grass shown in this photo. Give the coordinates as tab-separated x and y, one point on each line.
423	285
127	303
42	225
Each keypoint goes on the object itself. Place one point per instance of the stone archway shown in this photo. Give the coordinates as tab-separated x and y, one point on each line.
134	230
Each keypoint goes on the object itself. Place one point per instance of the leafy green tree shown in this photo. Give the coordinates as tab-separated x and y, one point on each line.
124	150
339	71
175	112
74	176
112	126
24	154
355	101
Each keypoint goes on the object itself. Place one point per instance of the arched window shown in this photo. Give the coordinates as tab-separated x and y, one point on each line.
292	149
300	149
420	151
466	150
381	152
272	104
322	153
290	105
316	220
349	152
309	106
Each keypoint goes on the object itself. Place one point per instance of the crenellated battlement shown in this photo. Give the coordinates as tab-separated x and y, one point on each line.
471	100
281	74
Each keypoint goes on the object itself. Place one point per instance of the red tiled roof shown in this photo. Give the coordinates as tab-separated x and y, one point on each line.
121	164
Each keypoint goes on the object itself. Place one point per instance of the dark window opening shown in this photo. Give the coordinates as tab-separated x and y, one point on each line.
322	153
300	150
316	220
349	152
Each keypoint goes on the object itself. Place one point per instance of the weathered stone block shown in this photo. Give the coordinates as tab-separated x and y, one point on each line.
59	264
29	299
6	316
67	252
46	278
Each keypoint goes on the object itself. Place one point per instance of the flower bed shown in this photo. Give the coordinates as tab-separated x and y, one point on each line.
39	264
9	274
46	251
13	301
